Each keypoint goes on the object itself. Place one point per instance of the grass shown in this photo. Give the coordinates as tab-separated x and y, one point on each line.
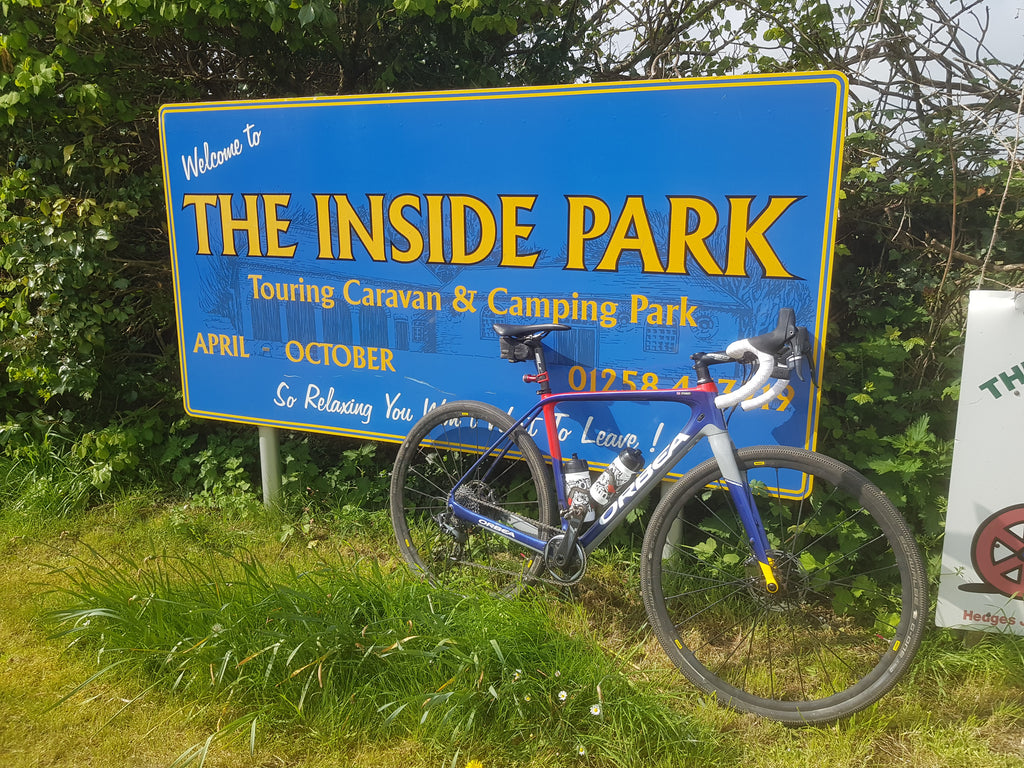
358	654
149	632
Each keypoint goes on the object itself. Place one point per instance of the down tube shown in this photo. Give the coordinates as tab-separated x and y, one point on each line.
704	419
700	401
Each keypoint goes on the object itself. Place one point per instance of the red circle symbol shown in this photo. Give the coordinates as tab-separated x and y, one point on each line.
998	551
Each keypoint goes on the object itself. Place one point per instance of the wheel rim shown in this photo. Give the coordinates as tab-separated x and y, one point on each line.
824	639
449	552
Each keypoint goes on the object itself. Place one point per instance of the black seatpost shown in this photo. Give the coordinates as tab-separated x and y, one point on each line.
541	377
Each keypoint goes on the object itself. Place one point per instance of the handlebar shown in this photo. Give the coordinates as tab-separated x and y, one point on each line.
775	355
744	351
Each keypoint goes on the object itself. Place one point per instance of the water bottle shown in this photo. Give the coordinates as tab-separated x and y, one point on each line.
616	476
577	488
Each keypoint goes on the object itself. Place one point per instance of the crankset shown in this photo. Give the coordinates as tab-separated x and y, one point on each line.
568	569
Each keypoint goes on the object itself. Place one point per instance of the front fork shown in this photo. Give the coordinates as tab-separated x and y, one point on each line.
756	536
739	489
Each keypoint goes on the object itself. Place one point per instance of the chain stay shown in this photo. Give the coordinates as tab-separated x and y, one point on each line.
477	503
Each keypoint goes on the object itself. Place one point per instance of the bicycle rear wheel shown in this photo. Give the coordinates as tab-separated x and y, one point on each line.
514	489
849	614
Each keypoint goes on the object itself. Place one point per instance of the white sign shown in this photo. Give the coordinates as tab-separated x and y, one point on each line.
982	583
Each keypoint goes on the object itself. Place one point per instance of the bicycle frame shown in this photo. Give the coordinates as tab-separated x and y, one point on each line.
801	650
706	421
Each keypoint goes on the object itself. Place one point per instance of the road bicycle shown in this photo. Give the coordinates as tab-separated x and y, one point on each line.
780	580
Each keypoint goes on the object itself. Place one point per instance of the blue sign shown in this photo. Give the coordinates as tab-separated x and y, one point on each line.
339	262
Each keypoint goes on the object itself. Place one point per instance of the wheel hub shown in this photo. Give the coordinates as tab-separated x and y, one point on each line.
451	527
793	581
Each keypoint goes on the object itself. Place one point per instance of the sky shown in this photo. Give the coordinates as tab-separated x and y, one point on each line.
1006	33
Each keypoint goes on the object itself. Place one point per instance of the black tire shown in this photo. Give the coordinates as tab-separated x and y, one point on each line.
851	609
440	449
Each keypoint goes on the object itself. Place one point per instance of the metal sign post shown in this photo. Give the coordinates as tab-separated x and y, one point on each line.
270	465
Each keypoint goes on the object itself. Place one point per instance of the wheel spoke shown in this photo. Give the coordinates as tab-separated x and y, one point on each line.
444	448
850	578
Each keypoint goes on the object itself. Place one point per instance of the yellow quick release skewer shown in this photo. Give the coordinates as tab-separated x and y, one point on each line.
767	570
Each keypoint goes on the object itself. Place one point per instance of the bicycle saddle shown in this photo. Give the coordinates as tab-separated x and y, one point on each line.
522	331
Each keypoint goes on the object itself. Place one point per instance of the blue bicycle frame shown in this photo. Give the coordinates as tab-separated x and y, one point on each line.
706	421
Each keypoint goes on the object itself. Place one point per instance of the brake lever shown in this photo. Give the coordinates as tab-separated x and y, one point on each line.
798	361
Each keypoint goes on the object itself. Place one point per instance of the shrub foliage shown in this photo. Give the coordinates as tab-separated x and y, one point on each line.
932	208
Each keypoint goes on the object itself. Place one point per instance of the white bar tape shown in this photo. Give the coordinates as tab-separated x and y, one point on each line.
764	397
762	373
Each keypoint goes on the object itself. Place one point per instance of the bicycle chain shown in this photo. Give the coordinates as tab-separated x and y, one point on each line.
503	515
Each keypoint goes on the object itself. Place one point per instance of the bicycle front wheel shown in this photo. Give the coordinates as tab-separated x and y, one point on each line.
850	611
510	486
